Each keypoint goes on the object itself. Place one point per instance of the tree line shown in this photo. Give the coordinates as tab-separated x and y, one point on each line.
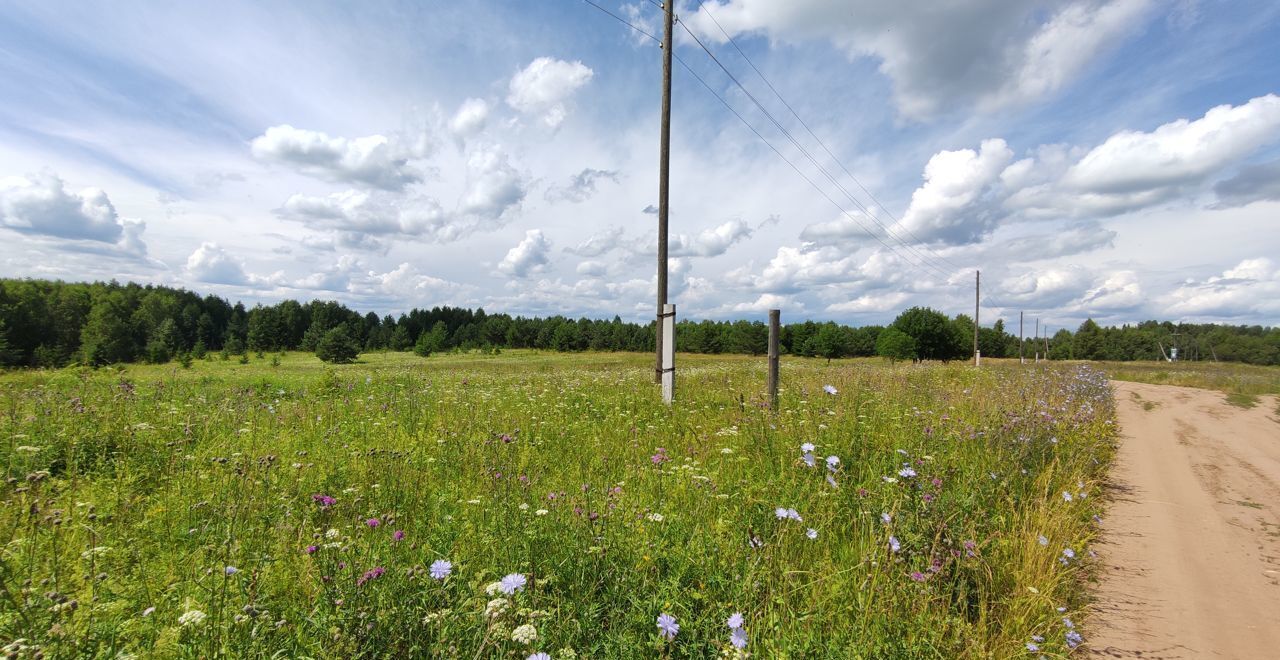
50	323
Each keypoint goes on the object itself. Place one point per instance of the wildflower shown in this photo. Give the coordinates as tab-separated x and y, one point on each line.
311	549
755	542
655	517
538	656
373	523
512	583
808	459
149	611
1069	553
833	462
1066	497
494	608
667	626
541	512
1042	540
525	634
832	480
1032	647
441	569
398	535
970	548
1073	639
807	447
192	618
889	480
781	513
370	574
907	472
917	576
886	518
811	533
230	570
894	545
735	620
524	506
325	501
332	534
829	389
738	637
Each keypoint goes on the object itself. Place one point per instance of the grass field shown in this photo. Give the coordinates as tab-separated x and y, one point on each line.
304	511
1243	382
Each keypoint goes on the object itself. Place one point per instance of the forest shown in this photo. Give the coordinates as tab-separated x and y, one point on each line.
51	324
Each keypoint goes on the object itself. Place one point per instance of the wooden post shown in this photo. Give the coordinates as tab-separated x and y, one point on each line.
1035	343
669	352
977	285
664	174
773	358
1022	359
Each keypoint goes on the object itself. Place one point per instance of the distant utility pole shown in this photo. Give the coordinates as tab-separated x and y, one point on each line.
1046	342
1021	341
1035	343
977	286
664	174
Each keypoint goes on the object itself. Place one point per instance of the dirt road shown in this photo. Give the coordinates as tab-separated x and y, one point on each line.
1191	547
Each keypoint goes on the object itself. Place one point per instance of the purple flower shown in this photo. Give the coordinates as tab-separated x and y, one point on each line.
807	447
324	501
230	570
440	569
808	459
811	533
667	626
370	574
738	637
512	583
1042	540
311	549
373	522
538	656
398	535
907	472
735	620
1073	639
1031	646
894	546
918	576
886	518
830	389
833	462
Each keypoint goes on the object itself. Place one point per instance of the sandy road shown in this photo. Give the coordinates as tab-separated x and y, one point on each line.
1191	546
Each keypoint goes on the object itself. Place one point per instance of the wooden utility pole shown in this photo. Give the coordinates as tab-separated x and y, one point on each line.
1035	343
774	330
1021	340
977	285
664	173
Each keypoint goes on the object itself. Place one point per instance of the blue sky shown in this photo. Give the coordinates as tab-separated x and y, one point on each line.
1118	159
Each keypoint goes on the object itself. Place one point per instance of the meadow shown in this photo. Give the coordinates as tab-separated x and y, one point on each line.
507	506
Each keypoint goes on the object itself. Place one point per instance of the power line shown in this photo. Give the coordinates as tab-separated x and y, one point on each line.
923	264
703	8
924	261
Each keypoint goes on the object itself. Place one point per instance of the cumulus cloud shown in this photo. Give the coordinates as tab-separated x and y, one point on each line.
853	225
41	205
888	302
529	256
470	118
990	53
493	185
212	264
959	201
581	186
1249	290
544	87
1178	153
372	161
711	242
599	243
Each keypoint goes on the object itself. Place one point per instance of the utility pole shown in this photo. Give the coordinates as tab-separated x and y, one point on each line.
1021	340
772	382
1035	343
664	174
1046	342
977	286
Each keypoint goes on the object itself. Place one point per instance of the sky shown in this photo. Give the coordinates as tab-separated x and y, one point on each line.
1112	159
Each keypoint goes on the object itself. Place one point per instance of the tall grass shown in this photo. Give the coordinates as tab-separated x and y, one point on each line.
129	493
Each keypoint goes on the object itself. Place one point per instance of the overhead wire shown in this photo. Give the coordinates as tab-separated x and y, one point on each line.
923	264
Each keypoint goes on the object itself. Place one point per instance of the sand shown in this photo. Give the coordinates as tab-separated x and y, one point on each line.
1190	550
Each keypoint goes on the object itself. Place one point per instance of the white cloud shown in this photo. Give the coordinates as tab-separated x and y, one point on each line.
889	302
493	186
1178	153
371	161
1253	183
529	256
711	242
212	264
592	268
1118	291
470	118
41	205
1064	46
598	244
544	87
1250	289
957	203
939	55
